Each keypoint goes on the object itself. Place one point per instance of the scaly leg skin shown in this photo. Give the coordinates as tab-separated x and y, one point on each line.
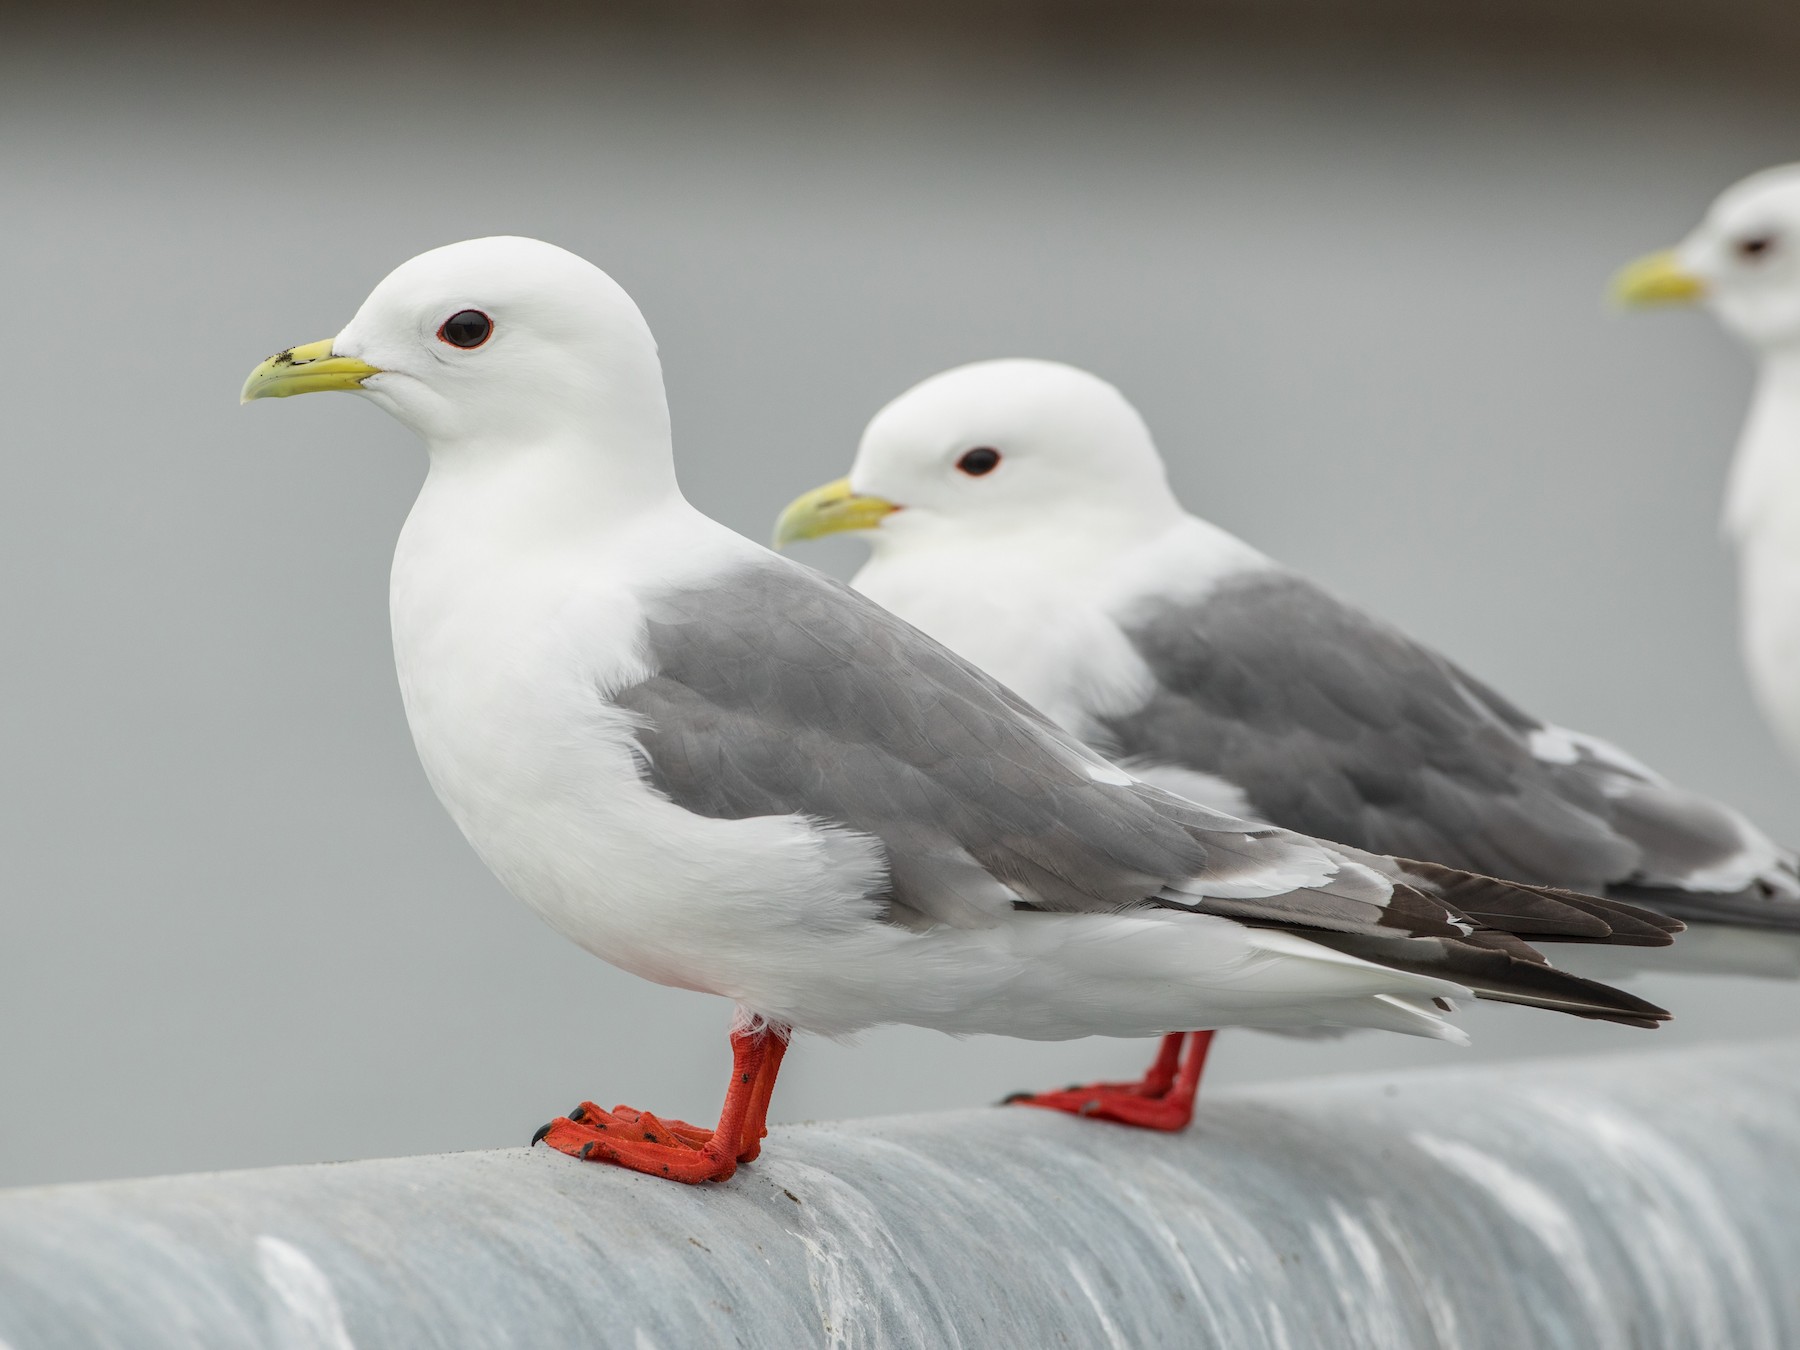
756	1120
1162	1100
645	1143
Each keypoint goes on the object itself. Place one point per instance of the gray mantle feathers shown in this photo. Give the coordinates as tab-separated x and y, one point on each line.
1340	726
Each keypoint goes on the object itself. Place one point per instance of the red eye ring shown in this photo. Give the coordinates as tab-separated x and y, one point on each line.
466	329
983	459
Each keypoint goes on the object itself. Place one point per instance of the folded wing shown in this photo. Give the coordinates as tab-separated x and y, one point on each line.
1337	725
840	712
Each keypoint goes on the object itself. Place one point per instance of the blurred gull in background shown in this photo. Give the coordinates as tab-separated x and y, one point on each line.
1019	512
1743	263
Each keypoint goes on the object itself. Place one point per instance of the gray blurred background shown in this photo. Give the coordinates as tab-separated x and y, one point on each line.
1348	259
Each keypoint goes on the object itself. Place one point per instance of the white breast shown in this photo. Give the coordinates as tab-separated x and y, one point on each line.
1038	634
505	659
1041	618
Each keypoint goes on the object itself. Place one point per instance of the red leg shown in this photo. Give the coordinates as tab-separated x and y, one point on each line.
1162	1100
672	1148
756	1121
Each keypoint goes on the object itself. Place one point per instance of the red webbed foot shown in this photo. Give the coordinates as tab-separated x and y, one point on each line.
642	1142
1097	1102
629	1123
1162	1100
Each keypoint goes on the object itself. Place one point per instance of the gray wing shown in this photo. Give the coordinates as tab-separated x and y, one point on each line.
777	691
1337	725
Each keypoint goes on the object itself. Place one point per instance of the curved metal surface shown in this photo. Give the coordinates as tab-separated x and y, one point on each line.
1649	1202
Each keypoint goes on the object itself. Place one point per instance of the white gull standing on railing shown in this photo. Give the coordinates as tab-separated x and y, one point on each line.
721	771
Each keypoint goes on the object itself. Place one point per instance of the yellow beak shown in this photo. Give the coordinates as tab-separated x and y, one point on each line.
832	509
1657	279
306	370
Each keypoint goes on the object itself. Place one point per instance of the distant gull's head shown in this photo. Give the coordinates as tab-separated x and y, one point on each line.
1742	261
993	450
488	344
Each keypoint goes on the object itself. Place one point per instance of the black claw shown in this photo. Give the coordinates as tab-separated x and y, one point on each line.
538	1138
1012	1097
578	1115
586	1149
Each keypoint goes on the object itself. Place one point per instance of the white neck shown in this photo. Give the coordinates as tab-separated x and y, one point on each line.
1764	489
554	490
1037	614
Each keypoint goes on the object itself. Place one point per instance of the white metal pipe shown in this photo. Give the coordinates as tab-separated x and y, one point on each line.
1643	1202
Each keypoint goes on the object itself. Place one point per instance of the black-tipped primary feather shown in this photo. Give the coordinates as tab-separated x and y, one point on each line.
1500	976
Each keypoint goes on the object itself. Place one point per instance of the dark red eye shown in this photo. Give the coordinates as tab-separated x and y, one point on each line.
982	459
1756	246
467	328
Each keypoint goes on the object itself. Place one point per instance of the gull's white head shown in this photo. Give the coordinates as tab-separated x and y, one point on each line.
1742	261
996	450
491	345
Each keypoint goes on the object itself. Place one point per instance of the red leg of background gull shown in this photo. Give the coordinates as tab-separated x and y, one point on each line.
1155	1082
1162	1100
672	1148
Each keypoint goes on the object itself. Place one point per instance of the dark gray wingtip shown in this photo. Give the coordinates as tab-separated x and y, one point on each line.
1755	907
1496	974
1544	913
